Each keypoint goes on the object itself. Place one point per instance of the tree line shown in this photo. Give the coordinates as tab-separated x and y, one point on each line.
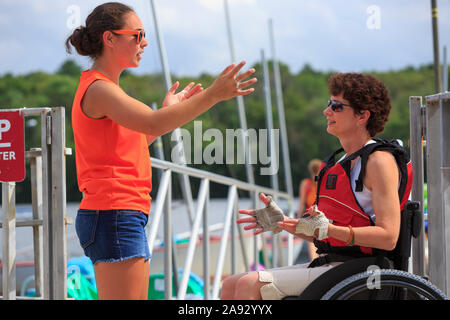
305	95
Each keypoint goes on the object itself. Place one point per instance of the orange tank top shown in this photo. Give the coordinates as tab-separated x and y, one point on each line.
113	162
310	193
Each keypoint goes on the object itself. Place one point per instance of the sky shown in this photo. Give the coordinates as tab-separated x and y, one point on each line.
343	36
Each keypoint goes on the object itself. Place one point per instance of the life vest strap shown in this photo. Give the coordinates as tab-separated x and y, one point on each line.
333	257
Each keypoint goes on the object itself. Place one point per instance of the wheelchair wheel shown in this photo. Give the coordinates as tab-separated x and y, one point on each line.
368	284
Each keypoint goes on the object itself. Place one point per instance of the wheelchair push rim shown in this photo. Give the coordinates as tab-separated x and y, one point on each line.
358	283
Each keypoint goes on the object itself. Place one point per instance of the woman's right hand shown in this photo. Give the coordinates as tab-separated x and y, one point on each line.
229	84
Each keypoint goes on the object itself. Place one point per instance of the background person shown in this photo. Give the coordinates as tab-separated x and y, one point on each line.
307	196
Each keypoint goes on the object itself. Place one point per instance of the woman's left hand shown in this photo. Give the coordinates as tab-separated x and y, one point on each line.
289	225
173	98
315	224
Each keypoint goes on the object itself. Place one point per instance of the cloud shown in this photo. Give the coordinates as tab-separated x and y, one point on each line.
327	34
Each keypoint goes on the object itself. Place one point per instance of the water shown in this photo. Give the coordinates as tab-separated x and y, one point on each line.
180	222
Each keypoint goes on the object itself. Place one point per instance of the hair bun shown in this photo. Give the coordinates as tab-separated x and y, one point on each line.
83	43
81	31
88	41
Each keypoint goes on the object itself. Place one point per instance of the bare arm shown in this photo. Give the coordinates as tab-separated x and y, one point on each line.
151	139
105	99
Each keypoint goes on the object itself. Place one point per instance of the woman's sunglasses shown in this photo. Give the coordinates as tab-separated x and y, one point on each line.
140	34
337	106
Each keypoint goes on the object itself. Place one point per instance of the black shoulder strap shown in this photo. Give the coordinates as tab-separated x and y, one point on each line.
364	153
392	146
367	151
329	161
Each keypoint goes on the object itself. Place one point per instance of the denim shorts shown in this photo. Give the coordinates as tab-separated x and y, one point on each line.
112	235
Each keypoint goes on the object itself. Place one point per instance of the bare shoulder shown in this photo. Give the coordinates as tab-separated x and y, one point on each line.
381	160
100	90
98	96
381	170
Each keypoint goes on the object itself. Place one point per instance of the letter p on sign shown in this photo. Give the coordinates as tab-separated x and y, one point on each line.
12	146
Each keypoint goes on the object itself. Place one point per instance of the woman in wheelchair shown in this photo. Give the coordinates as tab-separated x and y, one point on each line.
359	200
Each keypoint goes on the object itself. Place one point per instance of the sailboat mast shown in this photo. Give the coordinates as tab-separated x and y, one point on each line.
240	102
281	115
437	62
180	155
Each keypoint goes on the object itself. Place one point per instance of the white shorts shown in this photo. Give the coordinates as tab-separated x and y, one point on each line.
289	281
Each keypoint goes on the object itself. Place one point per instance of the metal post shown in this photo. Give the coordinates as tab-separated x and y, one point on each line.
445	71
159	153
168	245
232	192
416	147
9	240
438	176
58	204
206	251
152	228
202	195
234	226
36	200
437	61
242	245
46	140
445	180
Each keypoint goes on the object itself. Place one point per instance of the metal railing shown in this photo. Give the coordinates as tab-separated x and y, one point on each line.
430	128
163	205
48	185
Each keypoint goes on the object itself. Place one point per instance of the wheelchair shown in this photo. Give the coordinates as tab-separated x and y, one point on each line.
377	277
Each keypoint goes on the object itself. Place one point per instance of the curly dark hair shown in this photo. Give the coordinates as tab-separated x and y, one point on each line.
364	92
88	40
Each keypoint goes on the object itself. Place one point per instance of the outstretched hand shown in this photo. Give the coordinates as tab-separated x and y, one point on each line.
189	91
262	220
230	84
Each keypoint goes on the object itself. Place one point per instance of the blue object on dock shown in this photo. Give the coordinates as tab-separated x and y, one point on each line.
84	266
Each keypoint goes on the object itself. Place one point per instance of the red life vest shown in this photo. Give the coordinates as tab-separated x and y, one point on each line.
336	199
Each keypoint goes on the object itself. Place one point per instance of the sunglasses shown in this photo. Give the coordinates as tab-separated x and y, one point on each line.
337	106
140	34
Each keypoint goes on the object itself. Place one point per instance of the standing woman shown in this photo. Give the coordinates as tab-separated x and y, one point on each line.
112	133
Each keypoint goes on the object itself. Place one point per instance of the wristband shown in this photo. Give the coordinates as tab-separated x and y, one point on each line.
351	238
